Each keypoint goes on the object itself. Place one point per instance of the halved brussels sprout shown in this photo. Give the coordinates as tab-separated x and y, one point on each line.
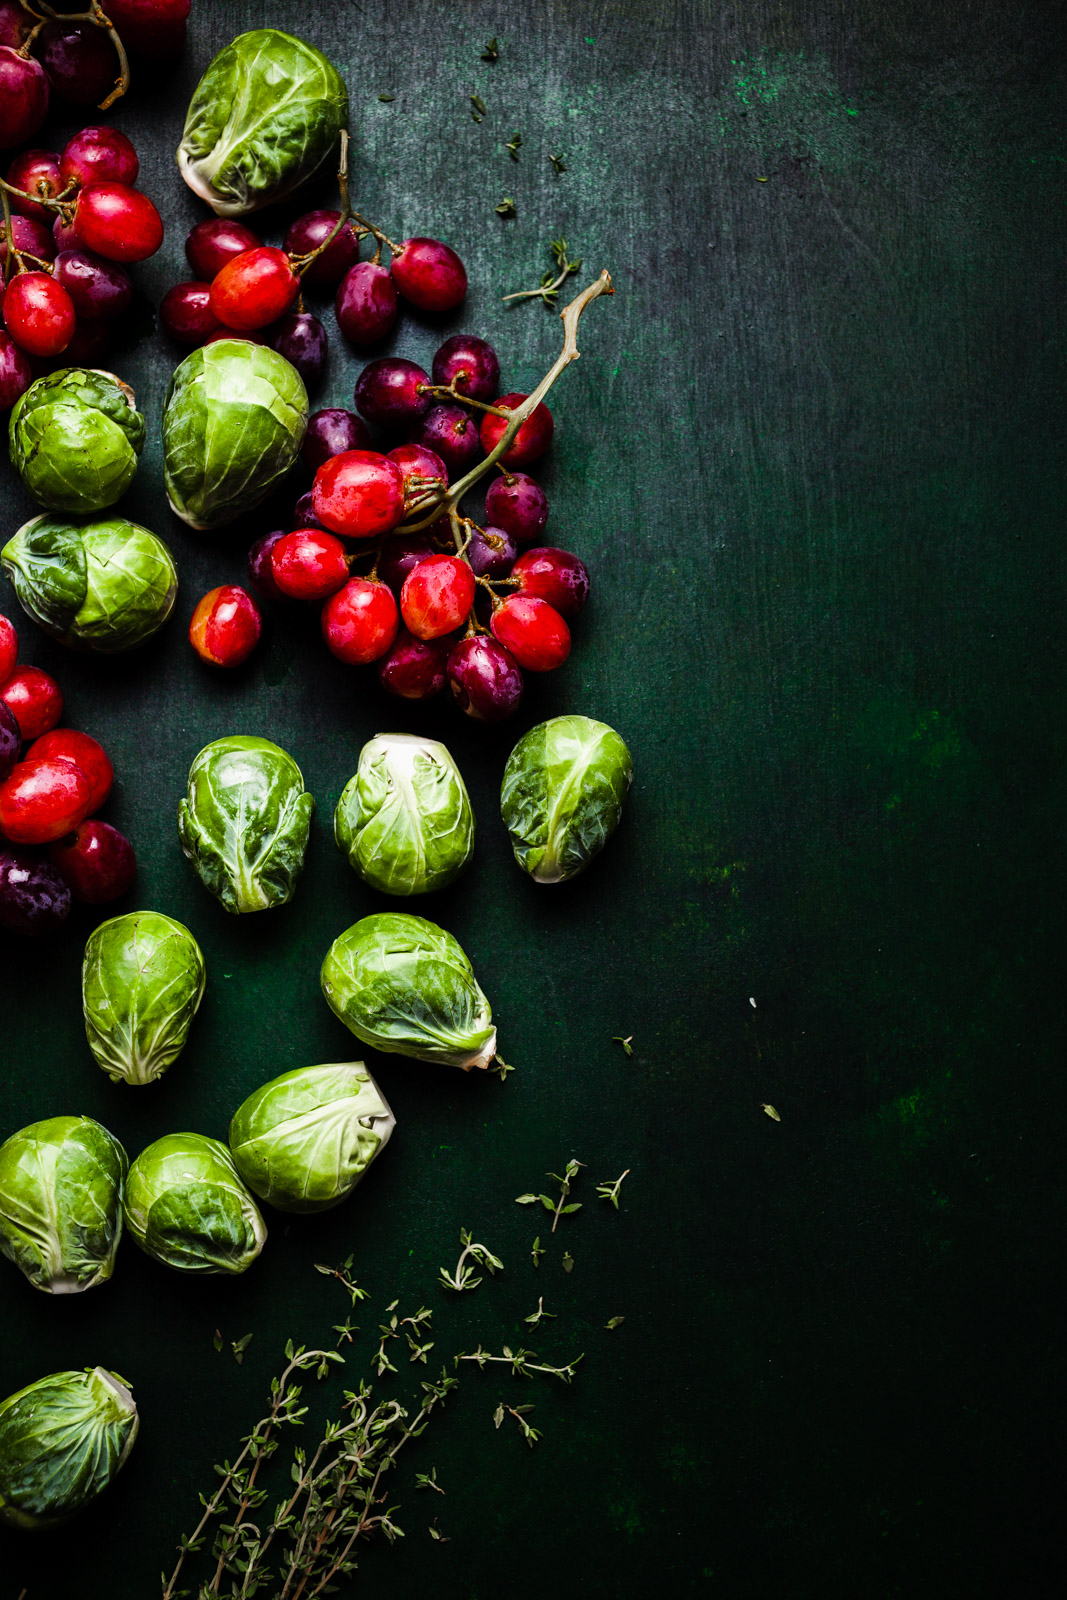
186	1206
561	799
75	437
266	114
404	985
142	981
304	1140
405	821
106	585
62	1440
61	1202
245	824
233	423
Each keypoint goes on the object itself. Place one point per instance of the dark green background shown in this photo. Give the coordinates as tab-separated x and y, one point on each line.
813	457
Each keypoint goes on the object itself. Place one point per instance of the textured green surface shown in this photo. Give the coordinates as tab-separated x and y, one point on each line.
813	456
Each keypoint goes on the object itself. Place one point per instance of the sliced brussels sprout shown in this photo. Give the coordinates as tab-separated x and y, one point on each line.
266	114
303	1141
75	436
62	1440
61	1202
233	423
186	1206
561	799
143	980
403	985
405	821
246	821
106	585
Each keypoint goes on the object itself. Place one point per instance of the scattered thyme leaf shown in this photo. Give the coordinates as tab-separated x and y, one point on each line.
538	1316
498	1415
627	1043
527	1199
615	1322
500	1068
239	1346
514	145
387	99
568	1261
549	287
506	208
442	1538
218	1340
558	164
530	1434
478	103
610	1191
491	51
424	1480
463	1277
537	1250
771	1112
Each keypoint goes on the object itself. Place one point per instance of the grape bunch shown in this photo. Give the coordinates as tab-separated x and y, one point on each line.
49	795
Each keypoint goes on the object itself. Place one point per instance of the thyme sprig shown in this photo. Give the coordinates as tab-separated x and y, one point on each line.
558	1207
548	289
610	1191
520	1362
479	1255
530	1434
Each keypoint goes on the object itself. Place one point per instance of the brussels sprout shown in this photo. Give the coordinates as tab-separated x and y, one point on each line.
75	438
61	1202
405	821
142	982
404	985
186	1206
105	585
62	1440
564	785
304	1140
266	114
233	423
245	824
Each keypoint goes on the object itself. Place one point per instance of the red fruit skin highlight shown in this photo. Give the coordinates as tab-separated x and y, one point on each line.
254	289
36	699
85	752
225	626
359	493
360	622
97	862
533	631
309	565
118	223
43	800
531	441
437	596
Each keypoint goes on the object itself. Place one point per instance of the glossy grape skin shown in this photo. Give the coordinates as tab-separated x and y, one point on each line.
469	364
533	631
366	304
16	373
43	800
97	862
388	393
99	154
429	274
401	552
31	238
15	24
86	753
359	493
24	96
254	289
36	699
10	741
260	566
117	223
301	339
225	626
437	596
39	314
418	461
212	244
35	172
9	648
360	621
451	432
414	669
153	28
519	505
80	61
531	441
97	288
34	896
554	575
330	432
186	316
309	565
485	679
491	553
304	515
64	237
308	232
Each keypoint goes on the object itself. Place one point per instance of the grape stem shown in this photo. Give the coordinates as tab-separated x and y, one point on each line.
441	392
569	316
97	16
300	264
13	257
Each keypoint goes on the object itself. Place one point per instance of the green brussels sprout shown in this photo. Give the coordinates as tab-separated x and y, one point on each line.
304	1140
266	114
403	985
75	437
405	821
561	799
106	585
186	1206
142	981
62	1440
61	1202
233	423
246	821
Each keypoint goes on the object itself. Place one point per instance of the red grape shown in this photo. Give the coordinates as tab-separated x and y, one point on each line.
64	237
388	393
97	288
254	289
450	431
85	752
36	699
16	374
308	232
212	244
43	800
39	314
31	239
518	505
10	741
412	668
304	515
491	552
366	303
360	621
24	95
153	28
186	315
329	433
416	461
260	567
359	493
401	552
225	626
116	222
34	897
9	649
97	862
301	339
533	631
15	24
468	363
531	441
437	596
556	576
309	565
429	274
79	59
485	679
36	172
99	155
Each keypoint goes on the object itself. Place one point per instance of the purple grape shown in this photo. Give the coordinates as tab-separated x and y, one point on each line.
301	339
34	899
518	505
32	237
304	514
471	364
387	393
485	679
329	433
308	232
401	552
414	669
10	740
491	552
80	61
97	287
450	431
366	303
260	570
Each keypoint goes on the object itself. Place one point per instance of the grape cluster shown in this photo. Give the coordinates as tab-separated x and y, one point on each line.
49	795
